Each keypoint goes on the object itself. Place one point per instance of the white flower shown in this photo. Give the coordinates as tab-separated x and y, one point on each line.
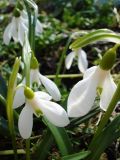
37	103
16	30
50	86
83	94
82	60
18	27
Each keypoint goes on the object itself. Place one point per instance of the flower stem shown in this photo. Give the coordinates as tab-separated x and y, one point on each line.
107	114
28	149
32	25
10	152
65	76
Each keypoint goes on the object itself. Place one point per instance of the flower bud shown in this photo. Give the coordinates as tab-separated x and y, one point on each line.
34	63
108	59
29	94
16	12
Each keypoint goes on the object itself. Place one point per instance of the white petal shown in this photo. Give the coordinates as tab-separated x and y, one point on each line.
21	31
25	122
19	98
82	60
109	88
39	28
43	95
50	87
52	111
82	96
26	46
14	31
69	59
7	34
89	72
34	76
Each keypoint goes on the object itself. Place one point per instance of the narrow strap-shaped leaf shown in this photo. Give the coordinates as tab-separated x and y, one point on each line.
100	34
10	94
61	138
78	121
41	149
77	156
3	87
104	139
92	33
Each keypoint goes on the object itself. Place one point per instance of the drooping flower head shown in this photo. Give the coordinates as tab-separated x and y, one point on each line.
19	25
16	29
38	103
82	95
82	59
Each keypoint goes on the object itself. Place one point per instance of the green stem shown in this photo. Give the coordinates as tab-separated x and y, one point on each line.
107	114
10	152
61	60
28	149
64	76
32	24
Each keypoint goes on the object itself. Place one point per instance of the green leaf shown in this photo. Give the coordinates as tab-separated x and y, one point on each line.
3	87
77	121
98	35
77	156
42	148
104	139
11	91
61	138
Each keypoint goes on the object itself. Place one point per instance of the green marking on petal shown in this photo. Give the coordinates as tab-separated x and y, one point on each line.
99	90
28	93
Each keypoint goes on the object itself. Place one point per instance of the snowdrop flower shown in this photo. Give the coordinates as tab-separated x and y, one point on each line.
16	29
82	60
19	26
83	94
38	103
